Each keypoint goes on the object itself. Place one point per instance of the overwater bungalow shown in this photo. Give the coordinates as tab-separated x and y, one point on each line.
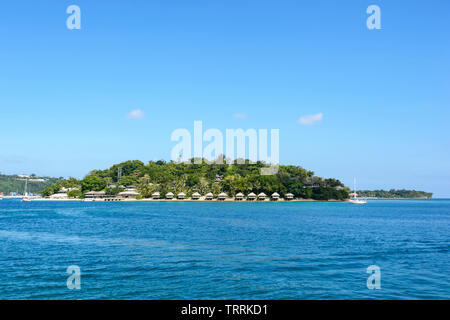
156	195
181	196
222	196
251	197
209	196
262	196
239	196
289	196
196	196
169	196
275	196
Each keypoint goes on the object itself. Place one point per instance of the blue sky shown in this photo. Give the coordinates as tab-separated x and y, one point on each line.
384	94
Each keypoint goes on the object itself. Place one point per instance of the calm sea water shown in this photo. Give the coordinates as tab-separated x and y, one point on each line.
225	250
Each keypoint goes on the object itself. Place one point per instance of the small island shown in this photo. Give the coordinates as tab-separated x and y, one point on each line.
166	181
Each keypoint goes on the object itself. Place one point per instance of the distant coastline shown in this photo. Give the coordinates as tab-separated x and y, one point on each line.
183	182
395	194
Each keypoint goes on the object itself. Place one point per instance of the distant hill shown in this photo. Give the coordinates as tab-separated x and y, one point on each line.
403	194
16	183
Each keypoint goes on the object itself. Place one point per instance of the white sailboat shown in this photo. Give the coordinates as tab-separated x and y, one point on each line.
355	199
25	193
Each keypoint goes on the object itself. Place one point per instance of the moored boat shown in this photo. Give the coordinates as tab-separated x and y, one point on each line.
355	199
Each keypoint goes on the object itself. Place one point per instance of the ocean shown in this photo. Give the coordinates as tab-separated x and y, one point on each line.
163	250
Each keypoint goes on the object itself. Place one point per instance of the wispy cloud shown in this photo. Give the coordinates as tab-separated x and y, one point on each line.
240	115
310	119
135	114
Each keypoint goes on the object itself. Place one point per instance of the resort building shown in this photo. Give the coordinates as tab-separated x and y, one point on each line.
222	196
181	196
275	196
196	196
289	196
169	196
59	196
128	194
262	196
239	196
156	195
209	196
95	195
251	197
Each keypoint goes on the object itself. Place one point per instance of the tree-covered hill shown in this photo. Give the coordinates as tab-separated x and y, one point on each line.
16	183
402	194
174	177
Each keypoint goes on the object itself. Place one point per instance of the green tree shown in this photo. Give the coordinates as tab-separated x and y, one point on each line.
93	183
74	194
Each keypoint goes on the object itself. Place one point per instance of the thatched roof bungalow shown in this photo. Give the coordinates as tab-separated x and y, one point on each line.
239	196
262	196
59	196
222	196
196	196
275	196
251	197
209	196
289	196
169	196
181	196
156	195
131	194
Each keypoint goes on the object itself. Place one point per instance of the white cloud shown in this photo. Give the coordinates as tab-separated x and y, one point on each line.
240	115
310	119
135	114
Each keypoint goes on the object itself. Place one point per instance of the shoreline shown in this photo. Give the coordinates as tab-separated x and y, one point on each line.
199	200
186	200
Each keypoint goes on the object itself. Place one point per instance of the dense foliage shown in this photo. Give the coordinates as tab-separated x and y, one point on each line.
395	194
15	184
174	177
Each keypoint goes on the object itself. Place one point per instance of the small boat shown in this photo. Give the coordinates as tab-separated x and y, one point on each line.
25	193
355	199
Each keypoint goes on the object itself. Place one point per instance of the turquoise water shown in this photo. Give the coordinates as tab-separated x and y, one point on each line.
225	250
